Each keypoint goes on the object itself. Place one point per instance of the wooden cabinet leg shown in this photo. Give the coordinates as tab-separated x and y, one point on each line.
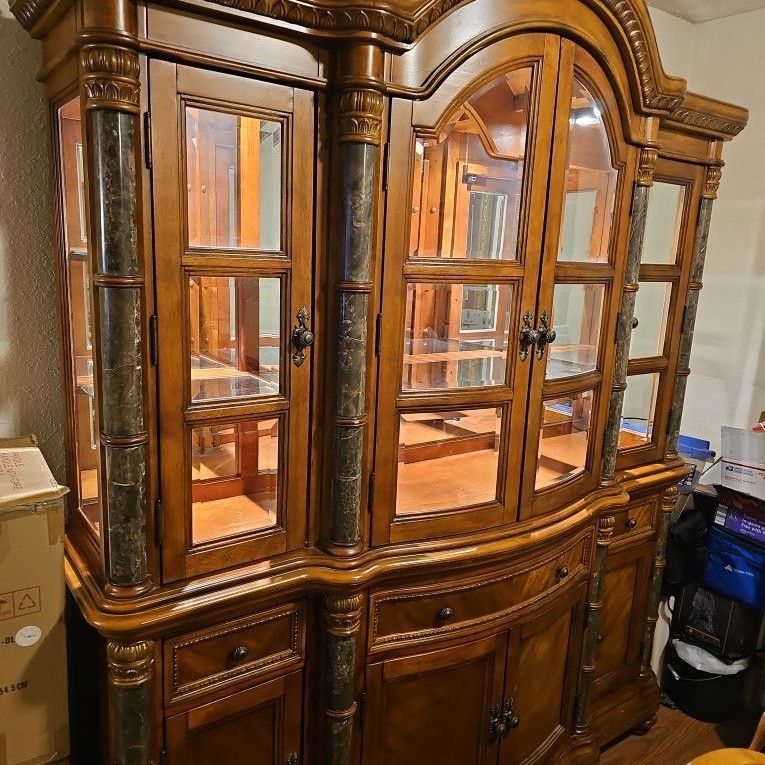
131	706
645	726
342	617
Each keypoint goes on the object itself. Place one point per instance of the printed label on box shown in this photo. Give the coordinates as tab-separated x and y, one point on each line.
26	601
6	605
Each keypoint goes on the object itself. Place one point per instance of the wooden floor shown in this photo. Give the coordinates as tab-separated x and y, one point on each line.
676	739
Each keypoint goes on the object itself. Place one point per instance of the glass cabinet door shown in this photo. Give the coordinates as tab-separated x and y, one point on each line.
664	272
584	250
84	440
462	255
233	275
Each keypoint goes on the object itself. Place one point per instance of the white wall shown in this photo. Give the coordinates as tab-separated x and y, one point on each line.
726	59
30	363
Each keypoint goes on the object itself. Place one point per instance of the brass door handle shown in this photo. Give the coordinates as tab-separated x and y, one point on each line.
545	335
302	337
528	337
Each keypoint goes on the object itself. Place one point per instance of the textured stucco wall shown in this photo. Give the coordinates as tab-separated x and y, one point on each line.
30	357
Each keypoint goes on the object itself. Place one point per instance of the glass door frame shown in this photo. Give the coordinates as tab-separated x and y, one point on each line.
171	87
426	118
691	177
577	63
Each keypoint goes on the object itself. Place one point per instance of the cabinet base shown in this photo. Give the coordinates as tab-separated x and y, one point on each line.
631	707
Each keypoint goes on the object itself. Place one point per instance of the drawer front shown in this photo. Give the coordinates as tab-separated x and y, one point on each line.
637	521
431	611
201	661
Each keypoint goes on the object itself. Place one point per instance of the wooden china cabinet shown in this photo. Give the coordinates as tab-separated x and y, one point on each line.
377	320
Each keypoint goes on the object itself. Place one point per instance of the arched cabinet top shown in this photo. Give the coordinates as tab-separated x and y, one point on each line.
418	32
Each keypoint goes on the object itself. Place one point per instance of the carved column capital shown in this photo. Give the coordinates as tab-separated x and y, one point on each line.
110	77
647	166
712	182
360	116
606	526
130	664
342	614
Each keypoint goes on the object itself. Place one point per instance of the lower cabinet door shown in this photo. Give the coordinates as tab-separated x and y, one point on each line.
542	672
435	708
259	726
625	591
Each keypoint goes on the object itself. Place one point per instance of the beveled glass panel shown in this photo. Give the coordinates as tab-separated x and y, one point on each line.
663	223
466	197
79	308
447	460
455	335
590	188
652	311
564	439
639	410
235	336
577	317
234	479
234	180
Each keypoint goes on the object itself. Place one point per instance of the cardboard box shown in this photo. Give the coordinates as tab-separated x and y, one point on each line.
33	684
743	461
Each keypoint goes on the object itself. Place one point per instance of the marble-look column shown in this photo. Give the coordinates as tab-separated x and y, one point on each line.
668	503
131	675
643	183
709	194
342	619
359	108
110	93
606	525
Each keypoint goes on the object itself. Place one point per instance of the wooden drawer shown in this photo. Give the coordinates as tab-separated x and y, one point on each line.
253	646
638	520
408	614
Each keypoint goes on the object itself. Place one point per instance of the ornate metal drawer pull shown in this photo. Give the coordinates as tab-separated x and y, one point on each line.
444	615
302	337
631	523
528	337
562	572
240	652
293	759
510	716
502	720
497	724
545	335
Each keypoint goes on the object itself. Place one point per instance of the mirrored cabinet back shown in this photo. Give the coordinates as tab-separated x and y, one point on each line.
377	321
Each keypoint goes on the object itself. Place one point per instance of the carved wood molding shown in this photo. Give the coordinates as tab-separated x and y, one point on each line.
29	12
648	159
606	526
342	614
644	54
130	664
708	123
360	116
711	185
110	77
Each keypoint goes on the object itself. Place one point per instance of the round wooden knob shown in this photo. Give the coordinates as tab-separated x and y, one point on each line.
631	523
444	614
240	652
562	572
433	210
